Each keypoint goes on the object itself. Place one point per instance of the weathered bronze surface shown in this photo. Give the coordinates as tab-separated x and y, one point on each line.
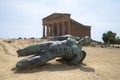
68	48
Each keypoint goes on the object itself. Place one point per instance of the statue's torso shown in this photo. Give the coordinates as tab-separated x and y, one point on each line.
61	49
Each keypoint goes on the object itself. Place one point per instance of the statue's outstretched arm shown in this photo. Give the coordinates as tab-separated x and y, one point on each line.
33	49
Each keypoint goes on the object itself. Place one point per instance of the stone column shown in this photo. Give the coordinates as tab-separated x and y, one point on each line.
58	29
75	30
69	27
78	30
63	28
43	30
72	28
52	29
50	33
47	27
55	29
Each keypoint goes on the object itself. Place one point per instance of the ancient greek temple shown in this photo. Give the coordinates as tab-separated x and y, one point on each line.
58	24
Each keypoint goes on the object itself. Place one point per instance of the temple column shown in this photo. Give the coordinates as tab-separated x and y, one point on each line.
52	29
69	27
43	30
79	31
72	28
75	29
63	28
58	29
47	30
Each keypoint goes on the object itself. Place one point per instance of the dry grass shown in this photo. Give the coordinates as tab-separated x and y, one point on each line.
102	64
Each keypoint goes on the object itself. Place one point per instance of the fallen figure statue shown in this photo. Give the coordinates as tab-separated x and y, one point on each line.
68	50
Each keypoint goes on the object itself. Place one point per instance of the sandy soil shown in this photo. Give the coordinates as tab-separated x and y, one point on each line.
102	64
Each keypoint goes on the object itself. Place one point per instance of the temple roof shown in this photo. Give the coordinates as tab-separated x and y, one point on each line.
59	15
79	23
56	15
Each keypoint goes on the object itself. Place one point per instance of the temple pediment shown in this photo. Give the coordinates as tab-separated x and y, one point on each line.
57	16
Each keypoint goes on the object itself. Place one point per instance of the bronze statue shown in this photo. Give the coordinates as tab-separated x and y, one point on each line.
68	49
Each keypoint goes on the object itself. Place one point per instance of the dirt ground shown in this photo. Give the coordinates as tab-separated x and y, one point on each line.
101	64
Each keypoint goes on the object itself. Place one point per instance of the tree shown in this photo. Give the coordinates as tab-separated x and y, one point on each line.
105	38
118	40
109	37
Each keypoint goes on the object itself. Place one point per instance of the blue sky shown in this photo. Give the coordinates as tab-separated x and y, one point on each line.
23	18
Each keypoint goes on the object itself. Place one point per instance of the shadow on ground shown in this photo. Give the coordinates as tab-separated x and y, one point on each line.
54	67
